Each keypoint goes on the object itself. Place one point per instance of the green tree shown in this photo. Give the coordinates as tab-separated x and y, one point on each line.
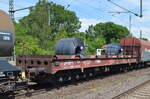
94	44
145	39
111	32
48	22
26	44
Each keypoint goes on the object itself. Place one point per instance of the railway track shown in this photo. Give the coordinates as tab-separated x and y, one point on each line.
141	91
27	92
37	92
36	89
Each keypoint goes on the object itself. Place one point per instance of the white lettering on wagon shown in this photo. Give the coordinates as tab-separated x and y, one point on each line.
5	33
70	67
68	63
86	62
98	61
6	38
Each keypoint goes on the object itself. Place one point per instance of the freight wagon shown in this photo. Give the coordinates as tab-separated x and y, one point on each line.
72	65
9	74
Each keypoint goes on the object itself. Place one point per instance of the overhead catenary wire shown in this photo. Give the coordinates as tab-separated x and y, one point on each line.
126	8
27	8
85	4
95	8
128	11
130	20
104	5
122	7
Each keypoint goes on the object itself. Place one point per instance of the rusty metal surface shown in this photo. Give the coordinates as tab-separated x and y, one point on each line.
5	22
136	47
52	64
88	63
132	46
35	61
135	42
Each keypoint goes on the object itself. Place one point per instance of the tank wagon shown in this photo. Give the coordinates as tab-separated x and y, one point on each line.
9	74
52	68
7	37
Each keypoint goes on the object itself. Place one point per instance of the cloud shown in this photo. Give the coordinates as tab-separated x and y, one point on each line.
145	18
120	21
4	6
85	23
90	12
145	32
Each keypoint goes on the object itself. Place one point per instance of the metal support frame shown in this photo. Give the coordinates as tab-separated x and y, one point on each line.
11	13
11	9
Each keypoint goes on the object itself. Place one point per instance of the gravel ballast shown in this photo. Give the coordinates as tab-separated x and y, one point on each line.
102	88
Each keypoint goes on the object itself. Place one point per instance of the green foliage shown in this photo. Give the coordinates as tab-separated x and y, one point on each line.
94	44
80	35
110	31
48	19
145	39
47	23
26	44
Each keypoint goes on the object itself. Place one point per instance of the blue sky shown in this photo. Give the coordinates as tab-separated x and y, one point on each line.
91	12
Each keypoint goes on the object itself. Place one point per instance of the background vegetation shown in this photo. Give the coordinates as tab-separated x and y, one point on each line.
47	23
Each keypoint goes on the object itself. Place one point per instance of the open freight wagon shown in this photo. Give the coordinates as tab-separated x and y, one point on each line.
51	68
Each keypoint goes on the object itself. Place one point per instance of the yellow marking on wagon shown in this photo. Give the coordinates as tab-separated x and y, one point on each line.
23	75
